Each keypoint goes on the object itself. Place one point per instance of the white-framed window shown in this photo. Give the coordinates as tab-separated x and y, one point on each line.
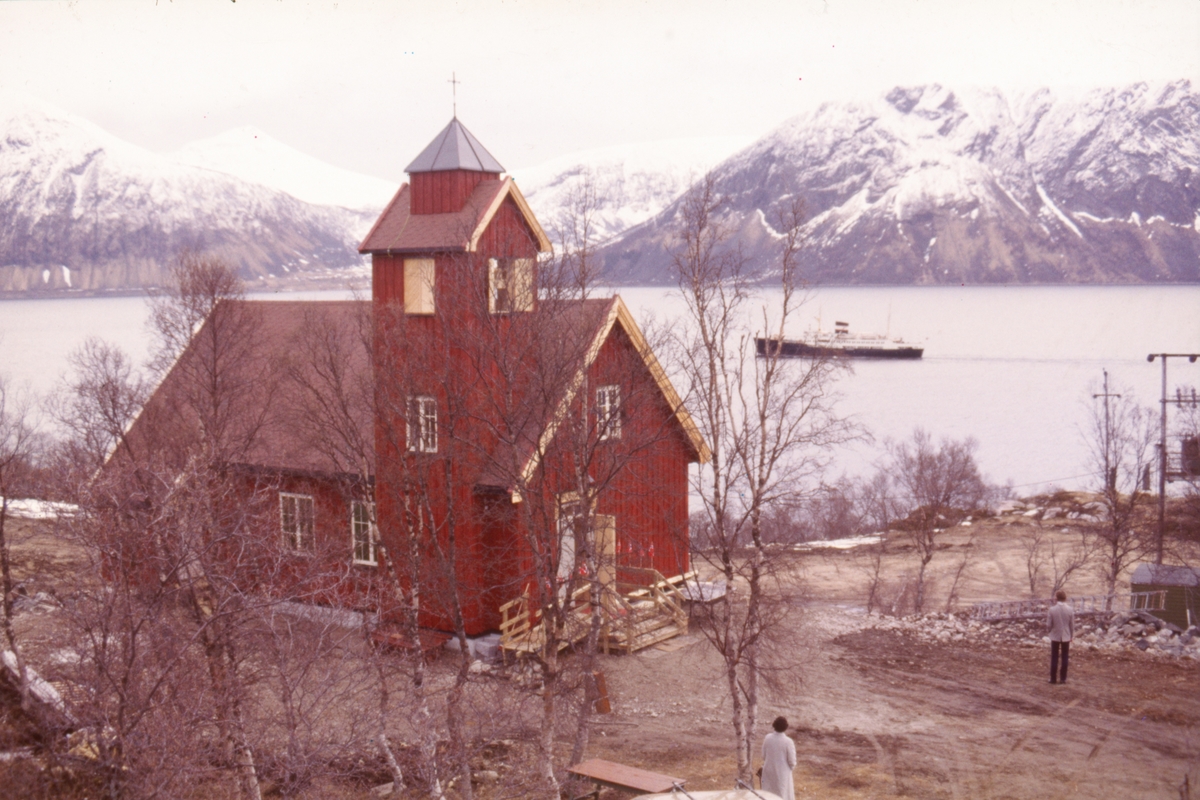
421	427
608	412
296	521
510	285
362	532
418	286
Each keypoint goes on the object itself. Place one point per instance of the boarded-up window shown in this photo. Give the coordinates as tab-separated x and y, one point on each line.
510	285
418	286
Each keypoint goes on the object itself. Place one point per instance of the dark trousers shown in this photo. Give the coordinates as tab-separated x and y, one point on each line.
1055	647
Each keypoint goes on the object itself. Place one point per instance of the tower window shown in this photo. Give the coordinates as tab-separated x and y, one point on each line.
421	429
510	285
418	286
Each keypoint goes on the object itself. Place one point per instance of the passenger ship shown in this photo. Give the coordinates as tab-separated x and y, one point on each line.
840	342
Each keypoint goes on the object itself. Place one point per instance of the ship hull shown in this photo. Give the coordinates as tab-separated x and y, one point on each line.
793	349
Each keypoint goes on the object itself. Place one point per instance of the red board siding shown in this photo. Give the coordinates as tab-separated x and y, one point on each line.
648	496
492	561
508	235
445	191
322	573
387	279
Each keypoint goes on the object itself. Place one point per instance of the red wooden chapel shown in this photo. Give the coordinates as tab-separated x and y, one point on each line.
505	405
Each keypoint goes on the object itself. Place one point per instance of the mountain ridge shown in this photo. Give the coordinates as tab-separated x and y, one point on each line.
920	185
87	211
929	185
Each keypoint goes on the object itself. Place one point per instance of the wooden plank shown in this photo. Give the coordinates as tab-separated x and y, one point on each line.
623	776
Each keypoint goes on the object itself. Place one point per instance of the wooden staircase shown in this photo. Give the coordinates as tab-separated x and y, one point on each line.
633	616
520	635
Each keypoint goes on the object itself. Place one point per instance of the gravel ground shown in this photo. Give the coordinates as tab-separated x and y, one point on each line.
937	707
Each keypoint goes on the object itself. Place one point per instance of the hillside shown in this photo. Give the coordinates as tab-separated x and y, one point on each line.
920	186
85	210
630	183
931	185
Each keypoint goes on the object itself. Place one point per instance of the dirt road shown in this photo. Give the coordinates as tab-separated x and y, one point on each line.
880	713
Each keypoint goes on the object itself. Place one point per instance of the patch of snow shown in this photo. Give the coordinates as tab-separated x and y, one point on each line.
39	687
762	220
39	509
324	615
1055	210
66	273
847	543
1009	195
1094	218
1136	219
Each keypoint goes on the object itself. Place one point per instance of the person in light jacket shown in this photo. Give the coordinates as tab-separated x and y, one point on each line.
1061	622
779	759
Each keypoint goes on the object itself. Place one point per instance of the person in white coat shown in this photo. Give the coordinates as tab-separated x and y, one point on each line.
779	759
1061	624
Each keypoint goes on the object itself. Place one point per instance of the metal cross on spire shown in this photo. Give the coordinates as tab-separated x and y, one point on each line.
454	82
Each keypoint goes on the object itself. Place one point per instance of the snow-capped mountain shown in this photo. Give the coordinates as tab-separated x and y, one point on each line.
253	156
629	184
932	185
85	210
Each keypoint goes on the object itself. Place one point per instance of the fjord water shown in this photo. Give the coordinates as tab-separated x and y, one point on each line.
1012	366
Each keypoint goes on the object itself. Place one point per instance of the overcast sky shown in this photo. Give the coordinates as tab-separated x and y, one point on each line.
364	85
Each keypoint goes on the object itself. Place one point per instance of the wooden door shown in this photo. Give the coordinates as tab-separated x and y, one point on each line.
606	557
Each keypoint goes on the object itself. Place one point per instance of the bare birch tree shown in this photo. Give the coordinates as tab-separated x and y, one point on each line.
768	423
334	402
173	520
19	443
936	485
1047	555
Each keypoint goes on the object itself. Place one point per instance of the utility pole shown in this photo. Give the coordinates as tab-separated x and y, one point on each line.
1110	480
1162	448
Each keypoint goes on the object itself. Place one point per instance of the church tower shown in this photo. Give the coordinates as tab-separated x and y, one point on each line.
448	170
459	229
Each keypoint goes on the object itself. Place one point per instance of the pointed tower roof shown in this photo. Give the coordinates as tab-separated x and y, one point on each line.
454	148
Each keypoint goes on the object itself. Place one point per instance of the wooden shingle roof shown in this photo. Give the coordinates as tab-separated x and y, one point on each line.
295	356
398	230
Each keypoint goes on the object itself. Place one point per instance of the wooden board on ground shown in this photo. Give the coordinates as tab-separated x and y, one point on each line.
623	776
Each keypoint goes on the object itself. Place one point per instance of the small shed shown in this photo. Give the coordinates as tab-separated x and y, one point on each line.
1182	585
